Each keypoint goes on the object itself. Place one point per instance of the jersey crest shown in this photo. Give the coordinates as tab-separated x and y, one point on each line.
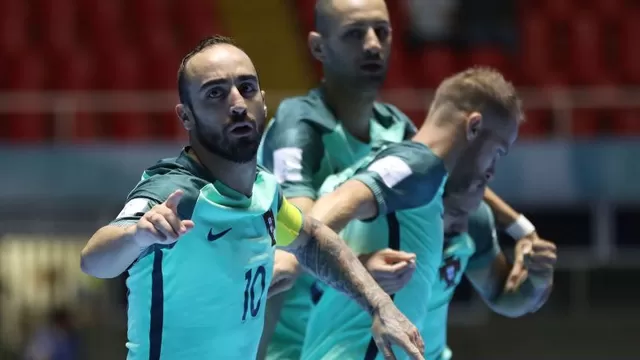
270	223
449	270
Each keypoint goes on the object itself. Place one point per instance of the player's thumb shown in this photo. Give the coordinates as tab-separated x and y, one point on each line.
174	199
515	277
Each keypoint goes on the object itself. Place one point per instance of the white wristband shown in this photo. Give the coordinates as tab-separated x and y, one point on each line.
520	228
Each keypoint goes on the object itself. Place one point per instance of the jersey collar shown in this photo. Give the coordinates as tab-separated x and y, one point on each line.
326	119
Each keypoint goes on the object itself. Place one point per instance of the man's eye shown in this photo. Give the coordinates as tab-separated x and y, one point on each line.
214	93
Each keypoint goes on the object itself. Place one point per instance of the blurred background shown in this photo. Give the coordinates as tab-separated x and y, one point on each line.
86	104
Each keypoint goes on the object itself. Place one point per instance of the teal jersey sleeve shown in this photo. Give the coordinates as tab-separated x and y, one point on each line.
157	184
402	176
292	149
482	230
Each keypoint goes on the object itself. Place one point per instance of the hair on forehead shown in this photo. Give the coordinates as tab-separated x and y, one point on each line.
200	47
481	89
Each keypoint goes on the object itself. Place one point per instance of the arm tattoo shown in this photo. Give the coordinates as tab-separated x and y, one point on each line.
327	256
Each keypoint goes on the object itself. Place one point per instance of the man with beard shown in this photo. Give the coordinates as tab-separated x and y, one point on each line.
385	201
314	136
198	232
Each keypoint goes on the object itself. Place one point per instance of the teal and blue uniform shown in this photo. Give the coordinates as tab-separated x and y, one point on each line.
203	296
474	249
302	146
407	181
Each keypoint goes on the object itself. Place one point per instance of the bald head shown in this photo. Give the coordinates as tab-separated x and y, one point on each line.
328	12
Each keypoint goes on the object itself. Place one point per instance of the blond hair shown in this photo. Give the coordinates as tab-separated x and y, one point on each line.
480	89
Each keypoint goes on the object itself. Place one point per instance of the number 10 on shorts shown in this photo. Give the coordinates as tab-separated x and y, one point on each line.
251	278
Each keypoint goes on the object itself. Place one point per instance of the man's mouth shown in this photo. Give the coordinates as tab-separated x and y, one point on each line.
242	128
372	67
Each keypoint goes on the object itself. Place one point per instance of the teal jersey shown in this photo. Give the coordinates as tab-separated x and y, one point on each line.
407	182
203	296
302	146
474	249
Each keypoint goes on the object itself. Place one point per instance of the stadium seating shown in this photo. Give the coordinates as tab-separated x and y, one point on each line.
118	45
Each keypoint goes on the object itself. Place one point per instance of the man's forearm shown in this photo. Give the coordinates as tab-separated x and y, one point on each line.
109	252
325	255
505	214
527	299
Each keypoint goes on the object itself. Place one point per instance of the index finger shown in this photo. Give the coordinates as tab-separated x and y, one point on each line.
384	348
174	199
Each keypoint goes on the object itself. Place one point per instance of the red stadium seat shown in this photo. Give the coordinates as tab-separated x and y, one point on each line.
626	122
104	25
73	71
610	10
119	70
560	10
535	56
495	58
128	126
586	49
398	76
434	65
57	21
155	30
196	19
537	124
14	34
630	51
585	123
305	10
27	72
161	69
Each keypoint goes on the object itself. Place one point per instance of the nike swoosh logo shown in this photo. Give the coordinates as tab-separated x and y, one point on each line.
214	237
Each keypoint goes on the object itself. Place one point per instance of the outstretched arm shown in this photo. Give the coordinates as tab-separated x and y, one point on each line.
324	254
510	290
508	219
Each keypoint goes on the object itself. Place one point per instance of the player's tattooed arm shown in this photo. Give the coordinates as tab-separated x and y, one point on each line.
323	253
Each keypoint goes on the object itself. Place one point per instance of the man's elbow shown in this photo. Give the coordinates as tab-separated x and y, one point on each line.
91	267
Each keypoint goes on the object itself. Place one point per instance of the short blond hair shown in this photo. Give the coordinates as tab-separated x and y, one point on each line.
481	89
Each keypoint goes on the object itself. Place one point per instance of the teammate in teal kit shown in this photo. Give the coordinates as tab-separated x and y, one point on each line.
198	232
471	248
388	200
324	132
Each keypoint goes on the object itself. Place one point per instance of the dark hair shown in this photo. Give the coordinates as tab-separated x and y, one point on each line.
202	45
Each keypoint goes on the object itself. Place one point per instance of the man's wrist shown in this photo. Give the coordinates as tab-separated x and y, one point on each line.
132	235
520	228
379	300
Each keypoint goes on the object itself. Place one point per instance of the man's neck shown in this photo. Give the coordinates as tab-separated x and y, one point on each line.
237	176
352	107
455	223
446	141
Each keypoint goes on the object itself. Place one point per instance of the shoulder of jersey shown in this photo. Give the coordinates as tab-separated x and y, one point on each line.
296	109
167	176
402	147
392	113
